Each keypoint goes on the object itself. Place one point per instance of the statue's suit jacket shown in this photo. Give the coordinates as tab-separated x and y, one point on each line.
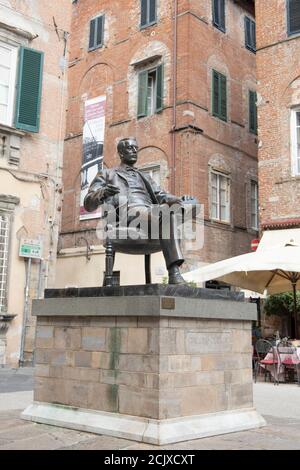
118	177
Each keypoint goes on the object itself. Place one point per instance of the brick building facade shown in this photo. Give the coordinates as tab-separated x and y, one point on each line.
33	59
195	118
278	71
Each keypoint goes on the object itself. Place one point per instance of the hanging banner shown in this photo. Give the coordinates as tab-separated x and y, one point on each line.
93	141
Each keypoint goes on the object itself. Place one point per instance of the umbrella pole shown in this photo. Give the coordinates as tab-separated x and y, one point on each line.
295	308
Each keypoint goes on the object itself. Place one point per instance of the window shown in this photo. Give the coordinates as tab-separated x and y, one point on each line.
4	239
293	16
21	108
252	112
220	197
8	65
219	14
153	173
150	91
295	138
254	205
96	33
219	95
250	34
148	12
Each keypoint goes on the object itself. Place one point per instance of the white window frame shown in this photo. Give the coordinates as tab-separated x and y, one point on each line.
218	216
295	155
150	170
151	94
254	214
12	84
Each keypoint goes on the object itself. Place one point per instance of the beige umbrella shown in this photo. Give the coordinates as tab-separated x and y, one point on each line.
275	270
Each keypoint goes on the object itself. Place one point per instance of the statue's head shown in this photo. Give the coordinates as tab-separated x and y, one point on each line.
128	149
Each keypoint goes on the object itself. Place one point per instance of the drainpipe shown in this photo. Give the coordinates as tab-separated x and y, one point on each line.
25	313
173	133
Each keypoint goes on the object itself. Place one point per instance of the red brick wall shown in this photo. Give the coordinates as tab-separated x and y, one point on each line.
278	71
201	47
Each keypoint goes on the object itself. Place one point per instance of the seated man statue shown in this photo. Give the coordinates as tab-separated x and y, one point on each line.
140	192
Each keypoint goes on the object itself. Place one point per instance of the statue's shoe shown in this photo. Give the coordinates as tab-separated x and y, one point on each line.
176	278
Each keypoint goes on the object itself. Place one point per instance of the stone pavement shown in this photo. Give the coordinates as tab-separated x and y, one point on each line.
280	406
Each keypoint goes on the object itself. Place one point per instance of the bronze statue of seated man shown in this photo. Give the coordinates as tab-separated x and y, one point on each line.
141	193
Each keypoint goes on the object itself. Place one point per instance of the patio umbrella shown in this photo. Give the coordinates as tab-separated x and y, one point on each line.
276	270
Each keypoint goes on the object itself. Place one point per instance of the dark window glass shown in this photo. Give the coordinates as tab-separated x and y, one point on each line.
219	14
293	15
148	12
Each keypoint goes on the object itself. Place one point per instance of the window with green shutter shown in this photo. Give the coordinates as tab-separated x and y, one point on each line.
96	33
148	12
219	95
150	91
29	89
293	16
252	112
250	34
219	14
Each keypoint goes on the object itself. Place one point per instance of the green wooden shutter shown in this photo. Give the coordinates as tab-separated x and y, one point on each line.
223	97
92	34
100	31
253	35
252	112
250	34
159	88
29	89
142	94
152	11
215	93
293	15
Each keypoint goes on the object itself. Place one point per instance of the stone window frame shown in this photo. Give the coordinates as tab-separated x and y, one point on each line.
14	38
8	204
295	156
148	66
101	44
11	136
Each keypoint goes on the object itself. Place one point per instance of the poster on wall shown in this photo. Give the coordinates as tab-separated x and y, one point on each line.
92	156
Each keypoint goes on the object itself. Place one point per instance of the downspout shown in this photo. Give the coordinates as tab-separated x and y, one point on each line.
174	123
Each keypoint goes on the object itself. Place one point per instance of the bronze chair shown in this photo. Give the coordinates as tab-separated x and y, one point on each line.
122	240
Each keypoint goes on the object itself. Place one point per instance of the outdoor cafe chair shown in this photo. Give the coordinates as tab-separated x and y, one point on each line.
267	360
289	360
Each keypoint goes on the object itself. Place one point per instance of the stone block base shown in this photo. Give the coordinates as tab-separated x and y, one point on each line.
151	431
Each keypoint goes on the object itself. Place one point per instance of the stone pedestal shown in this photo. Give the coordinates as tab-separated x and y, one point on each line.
157	364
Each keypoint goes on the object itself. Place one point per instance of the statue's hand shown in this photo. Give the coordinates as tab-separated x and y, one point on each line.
187	198
174	200
110	190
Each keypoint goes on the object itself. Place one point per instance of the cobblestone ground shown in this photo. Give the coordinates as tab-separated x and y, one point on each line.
280	406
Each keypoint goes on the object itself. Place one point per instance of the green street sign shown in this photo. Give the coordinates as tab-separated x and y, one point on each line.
30	249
